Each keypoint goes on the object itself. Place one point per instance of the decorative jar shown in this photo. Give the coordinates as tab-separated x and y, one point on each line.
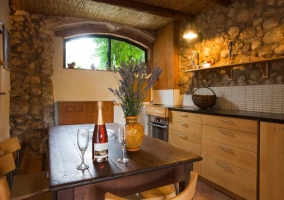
134	133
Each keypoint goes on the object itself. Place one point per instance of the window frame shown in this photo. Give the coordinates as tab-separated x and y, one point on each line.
109	37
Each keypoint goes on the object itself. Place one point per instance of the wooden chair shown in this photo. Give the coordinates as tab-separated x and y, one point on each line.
20	186
187	194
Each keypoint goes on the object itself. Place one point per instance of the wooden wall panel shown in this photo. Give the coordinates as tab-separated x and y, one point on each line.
83	112
166	56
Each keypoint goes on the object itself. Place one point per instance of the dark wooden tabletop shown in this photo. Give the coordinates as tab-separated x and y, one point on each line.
157	163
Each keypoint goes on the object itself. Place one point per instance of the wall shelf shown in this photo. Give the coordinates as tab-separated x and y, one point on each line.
263	64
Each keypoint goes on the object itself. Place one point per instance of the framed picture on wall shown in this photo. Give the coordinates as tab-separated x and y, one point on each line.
6	48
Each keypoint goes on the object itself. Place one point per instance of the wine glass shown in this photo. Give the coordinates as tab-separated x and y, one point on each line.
122	141
82	141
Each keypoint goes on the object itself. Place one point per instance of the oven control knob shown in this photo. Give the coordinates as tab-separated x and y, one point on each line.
158	120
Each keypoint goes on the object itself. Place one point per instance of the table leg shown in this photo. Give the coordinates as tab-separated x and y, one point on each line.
67	194
184	184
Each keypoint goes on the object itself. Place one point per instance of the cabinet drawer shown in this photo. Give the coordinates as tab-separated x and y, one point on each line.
157	111
234	179
239	157
185	116
185	127
230	123
185	140
74	108
235	138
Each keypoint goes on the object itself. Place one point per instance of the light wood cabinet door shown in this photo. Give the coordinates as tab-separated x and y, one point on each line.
185	116
232	178
185	127
271	161
233	155
231	123
235	138
185	140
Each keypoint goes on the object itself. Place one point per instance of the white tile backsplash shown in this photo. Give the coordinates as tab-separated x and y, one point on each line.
259	98
166	97
235	98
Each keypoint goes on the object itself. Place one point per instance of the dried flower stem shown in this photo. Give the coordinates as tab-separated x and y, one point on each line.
136	80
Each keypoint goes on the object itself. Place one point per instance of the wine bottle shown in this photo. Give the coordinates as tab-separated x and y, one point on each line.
100	138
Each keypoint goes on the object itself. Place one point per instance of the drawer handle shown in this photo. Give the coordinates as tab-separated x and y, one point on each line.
226	121
183	124
225	167
225	133
183	137
183	115
226	149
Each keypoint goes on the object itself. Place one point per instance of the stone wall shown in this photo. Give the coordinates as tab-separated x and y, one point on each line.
255	29
31	105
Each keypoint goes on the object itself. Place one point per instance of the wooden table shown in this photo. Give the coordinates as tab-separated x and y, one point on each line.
157	163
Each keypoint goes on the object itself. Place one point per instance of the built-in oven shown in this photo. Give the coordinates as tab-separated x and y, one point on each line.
158	127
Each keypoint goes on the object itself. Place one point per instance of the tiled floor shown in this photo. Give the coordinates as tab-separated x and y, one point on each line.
206	192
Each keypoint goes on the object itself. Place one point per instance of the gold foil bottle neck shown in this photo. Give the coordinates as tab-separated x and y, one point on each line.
100	104
100	120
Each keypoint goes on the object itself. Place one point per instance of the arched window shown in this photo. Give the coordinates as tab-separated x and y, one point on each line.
100	52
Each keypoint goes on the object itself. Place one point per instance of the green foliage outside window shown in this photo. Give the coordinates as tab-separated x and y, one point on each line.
100	52
125	52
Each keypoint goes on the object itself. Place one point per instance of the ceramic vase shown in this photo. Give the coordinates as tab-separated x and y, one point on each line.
134	133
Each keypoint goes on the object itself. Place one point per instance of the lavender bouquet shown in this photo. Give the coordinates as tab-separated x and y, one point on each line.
136	80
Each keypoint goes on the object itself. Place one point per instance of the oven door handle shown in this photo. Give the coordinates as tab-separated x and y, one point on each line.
159	126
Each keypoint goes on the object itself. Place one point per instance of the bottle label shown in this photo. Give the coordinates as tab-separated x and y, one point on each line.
100	150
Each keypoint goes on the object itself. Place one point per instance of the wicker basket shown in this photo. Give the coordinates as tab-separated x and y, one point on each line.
204	101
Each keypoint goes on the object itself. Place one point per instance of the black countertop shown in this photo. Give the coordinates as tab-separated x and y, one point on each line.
261	116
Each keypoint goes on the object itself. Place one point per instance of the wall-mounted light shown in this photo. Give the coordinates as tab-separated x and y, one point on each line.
189	33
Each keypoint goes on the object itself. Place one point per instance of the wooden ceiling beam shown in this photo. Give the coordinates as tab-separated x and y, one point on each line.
225	3
150	9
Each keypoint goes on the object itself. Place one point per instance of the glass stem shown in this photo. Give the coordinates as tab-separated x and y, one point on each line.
123	150
83	152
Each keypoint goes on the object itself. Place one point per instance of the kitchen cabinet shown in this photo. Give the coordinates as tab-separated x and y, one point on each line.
83	112
242	152
229	152
185	131
271	161
227	145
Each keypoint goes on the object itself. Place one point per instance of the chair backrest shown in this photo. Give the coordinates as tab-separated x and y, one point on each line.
26	186
189	191
7	165
187	194
12	145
